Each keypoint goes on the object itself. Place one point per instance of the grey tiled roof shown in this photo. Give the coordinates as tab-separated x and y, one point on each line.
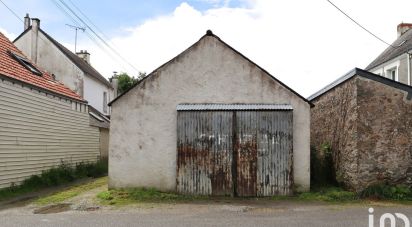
365	74
402	45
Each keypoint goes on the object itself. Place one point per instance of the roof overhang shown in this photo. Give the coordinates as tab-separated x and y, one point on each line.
229	107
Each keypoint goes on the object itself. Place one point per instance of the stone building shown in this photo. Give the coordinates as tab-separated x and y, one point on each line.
366	119
210	121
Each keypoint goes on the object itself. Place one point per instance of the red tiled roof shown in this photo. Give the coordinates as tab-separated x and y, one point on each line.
10	67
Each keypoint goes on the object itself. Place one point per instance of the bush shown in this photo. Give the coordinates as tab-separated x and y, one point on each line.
385	191
64	173
322	171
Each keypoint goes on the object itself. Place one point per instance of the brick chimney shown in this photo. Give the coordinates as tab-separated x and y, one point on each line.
83	54
26	22
34	39
402	28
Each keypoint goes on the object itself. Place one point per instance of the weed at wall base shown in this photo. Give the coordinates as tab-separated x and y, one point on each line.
62	174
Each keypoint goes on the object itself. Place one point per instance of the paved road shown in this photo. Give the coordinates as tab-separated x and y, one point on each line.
267	214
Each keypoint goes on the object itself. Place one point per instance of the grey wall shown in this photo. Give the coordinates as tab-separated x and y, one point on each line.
104	143
38	131
143	123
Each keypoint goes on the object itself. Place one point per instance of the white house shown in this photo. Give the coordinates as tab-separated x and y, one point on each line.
395	61
73	70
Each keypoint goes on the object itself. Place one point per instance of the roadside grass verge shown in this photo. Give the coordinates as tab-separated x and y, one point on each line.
71	192
56	176
140	195
374	193
330	194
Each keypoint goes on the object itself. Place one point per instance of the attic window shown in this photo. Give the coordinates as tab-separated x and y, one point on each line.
26	63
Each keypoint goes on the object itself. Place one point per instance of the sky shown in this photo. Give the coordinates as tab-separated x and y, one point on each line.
305	44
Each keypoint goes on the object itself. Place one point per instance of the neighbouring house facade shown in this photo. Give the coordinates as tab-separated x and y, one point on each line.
211	122
42	121
366	120
395	62
73	70
99	120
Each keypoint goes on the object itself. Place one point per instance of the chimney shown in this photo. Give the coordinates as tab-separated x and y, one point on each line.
115	84
83	54
26	22
34	39
402	28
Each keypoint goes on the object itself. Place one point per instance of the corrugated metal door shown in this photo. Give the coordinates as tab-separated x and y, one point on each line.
275	153
246	152
204	148
243	153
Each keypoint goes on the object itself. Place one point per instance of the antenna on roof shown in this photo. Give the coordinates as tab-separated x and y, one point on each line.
75	36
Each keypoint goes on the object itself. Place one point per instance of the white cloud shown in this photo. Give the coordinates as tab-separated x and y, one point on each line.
305	44
9	35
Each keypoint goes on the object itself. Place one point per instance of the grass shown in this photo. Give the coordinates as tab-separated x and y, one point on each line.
328	194
139	195
387	192
71	192
59	175
375	193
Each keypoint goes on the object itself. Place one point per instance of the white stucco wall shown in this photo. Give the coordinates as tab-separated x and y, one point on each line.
142	150
93	93
52	60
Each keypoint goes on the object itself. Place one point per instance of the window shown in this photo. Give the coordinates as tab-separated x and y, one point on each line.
392	73
26	63
105	102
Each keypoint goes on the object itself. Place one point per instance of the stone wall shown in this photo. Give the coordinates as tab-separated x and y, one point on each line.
333	122
369	127
385	134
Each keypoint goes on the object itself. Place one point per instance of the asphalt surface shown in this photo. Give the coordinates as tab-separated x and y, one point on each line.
275	213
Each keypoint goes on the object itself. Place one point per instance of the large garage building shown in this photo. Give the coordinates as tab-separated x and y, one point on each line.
211	122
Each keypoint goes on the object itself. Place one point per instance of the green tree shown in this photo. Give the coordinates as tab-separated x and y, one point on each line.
125	81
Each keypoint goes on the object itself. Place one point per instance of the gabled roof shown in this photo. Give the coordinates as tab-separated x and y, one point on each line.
12	69
209	33
84	66
401	45
362	73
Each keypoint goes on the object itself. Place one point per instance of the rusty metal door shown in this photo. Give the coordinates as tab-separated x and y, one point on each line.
204	148
241	153
275	153
245	153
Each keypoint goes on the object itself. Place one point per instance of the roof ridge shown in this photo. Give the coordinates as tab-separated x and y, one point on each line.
79	62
